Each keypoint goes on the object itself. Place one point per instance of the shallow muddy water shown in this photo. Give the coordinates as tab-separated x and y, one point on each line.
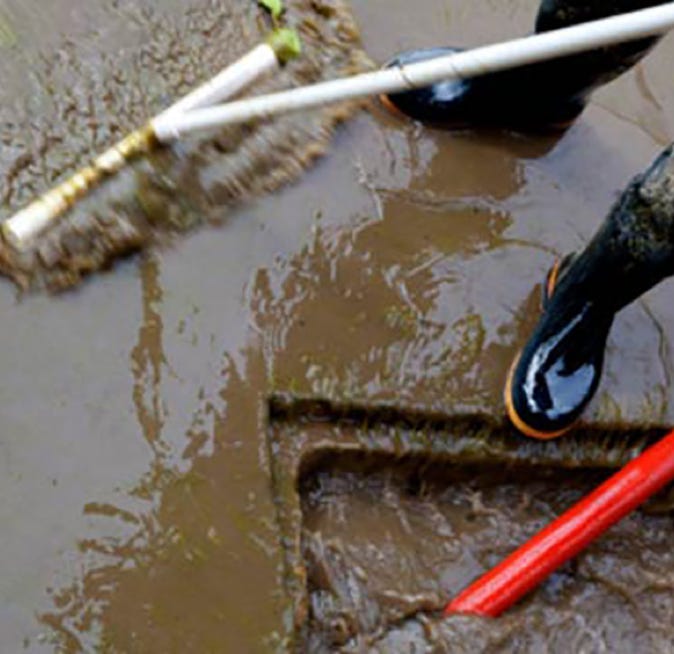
385	550
138	512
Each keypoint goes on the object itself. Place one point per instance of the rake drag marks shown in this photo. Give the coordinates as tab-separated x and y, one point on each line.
86	102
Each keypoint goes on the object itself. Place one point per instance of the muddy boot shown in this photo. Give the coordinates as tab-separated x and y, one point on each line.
558	371
549	95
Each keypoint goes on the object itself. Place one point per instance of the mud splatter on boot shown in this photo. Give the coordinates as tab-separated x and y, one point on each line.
558	371
550	95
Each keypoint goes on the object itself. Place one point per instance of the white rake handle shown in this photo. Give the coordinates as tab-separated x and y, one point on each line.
21	229
238	76
488	59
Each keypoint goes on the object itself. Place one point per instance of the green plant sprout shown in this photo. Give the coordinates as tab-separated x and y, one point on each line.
274	7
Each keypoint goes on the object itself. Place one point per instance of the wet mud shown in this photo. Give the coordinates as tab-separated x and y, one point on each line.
388	547
178	187
390	514
152	498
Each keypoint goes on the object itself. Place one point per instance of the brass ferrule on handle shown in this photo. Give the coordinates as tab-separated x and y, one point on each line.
21	229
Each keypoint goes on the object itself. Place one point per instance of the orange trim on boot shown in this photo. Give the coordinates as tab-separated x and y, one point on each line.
552	278
386	102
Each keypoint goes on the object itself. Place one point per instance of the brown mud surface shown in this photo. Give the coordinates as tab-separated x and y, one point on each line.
141	509
176	188
388	514
386	549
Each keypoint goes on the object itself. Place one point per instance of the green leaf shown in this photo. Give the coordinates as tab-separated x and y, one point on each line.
274	7
286	44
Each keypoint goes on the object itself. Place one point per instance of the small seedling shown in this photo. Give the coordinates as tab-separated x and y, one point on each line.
286	44
274	7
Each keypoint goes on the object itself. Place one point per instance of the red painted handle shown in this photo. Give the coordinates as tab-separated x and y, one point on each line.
569	534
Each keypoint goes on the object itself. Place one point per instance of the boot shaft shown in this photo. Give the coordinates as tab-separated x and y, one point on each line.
633	250
579	75
556	14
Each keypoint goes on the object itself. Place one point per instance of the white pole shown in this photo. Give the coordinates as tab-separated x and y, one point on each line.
230	81
488	59
24	226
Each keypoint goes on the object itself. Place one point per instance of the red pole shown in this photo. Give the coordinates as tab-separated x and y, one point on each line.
569	534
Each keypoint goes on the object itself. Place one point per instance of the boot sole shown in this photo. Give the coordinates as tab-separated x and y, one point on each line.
388	105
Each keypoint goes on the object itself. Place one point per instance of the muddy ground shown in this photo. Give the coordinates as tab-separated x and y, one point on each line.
140	498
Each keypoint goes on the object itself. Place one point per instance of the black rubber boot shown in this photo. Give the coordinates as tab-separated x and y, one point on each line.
539	96
558	371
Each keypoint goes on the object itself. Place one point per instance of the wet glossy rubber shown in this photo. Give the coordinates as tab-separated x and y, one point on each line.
498	100
558	371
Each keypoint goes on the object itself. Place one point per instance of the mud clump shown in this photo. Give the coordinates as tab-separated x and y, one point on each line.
177	188
386	547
